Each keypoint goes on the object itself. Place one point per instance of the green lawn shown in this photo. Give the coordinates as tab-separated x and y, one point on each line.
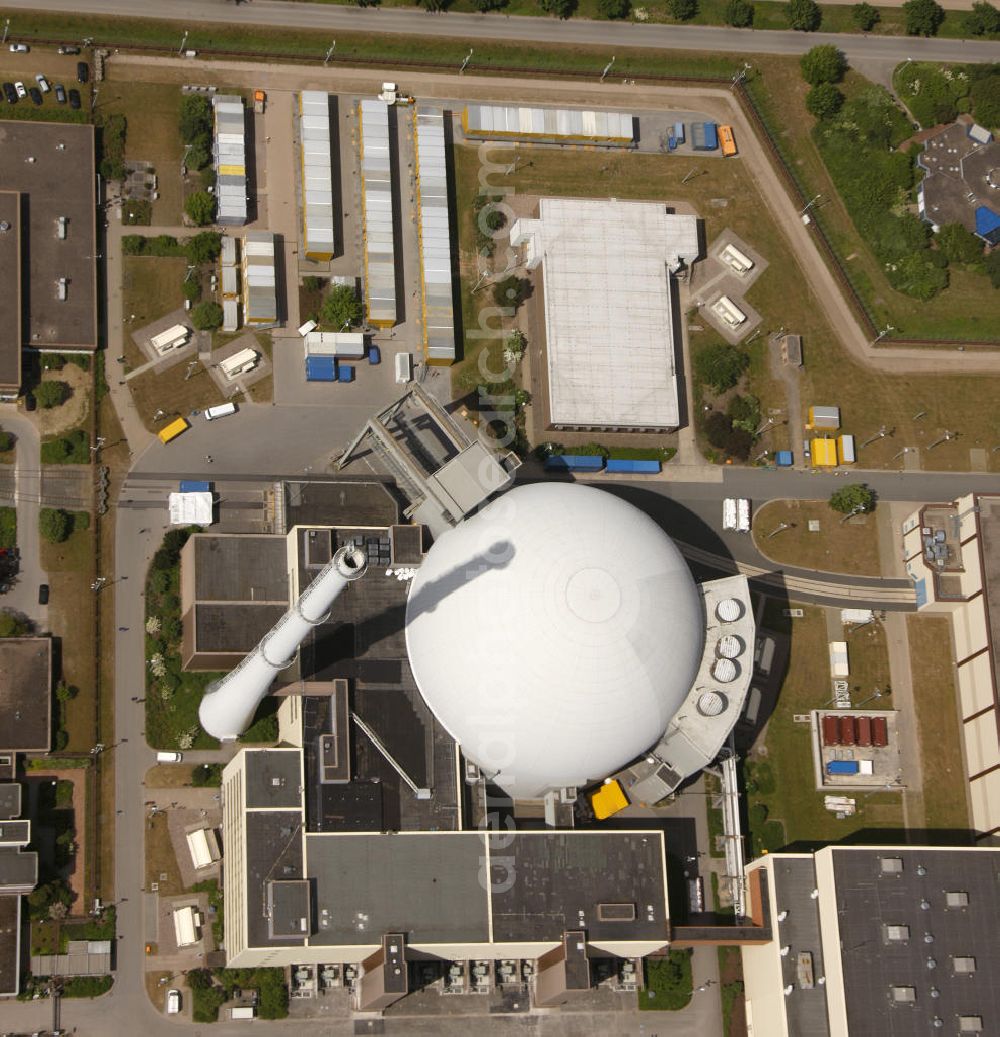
8	527
151	288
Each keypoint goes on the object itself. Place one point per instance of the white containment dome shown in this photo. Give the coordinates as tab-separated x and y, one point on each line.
554	635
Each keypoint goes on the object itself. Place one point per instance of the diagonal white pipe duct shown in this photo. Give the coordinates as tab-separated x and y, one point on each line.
229	705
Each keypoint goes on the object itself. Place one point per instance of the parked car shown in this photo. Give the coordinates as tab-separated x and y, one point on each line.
60	93
43	594
173	1002
10	93
74	98
69	50
35	94
374	355
43	83
82	71
20	89
19	48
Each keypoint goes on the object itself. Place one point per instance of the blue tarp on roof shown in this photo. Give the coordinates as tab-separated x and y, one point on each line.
988	224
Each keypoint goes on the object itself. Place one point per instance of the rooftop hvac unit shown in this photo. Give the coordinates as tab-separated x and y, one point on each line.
62	288
730	646
729	610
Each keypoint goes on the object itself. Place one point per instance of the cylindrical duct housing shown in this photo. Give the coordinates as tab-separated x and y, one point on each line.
229	705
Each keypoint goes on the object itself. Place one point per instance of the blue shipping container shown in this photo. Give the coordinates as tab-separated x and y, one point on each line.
195	486
574	463
783	459
704	136
637	467
842	767
321	369
345	374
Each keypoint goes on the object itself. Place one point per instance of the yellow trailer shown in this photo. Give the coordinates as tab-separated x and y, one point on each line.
173	430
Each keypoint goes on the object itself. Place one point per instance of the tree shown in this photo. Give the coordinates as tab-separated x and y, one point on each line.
6	441
434	5
511	291
495	220
195	118
614	8
982	20
203	247
865	16
823	64
718	428
824	101
682	10
199	979
191	289
489	5
341	307
985	98
199	154
739	14
200	207
719	366
560	8
313	284
51	394
804	15
54	524
744	412
12	625
854	499
207	316
959	245
923	17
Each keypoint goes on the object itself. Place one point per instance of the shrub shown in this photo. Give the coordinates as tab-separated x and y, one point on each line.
923	17
865	16
959	245
484	5
191	289
200	207
744	412
919	274
433	5
738	444
824	101
54	524
668	982
682	10
72	448
195	118
982	20
739	14
804	15
207	316
6	442
51	394
856	497
86	986
111	139
313	284
614	8
823	64
341	307
11	625
199	154
511	291
560	8
720	366
203	247
206	775
931	93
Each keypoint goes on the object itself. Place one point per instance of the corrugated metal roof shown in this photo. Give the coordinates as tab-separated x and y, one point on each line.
230	314
260	301
435	237
229	153
484	120
228	257
376	186
317	181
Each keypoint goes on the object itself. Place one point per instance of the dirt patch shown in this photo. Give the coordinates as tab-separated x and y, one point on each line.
71	413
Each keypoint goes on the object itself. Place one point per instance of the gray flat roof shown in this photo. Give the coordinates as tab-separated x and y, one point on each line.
241	568
233	627
273	853
17	869
272	777
10	800
59	182
10	935
10	290
25	693
426	886
561	879
340	503
868	900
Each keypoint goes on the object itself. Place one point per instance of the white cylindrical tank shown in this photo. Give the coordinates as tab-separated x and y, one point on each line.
229	705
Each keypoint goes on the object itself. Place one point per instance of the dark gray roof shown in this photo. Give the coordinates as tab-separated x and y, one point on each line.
869	899
232	627
273	778
10	934
15	832
25	693
241	568
610	883
18	870
274	852
288	907
426	886
794	882
10	290
10	800
341	502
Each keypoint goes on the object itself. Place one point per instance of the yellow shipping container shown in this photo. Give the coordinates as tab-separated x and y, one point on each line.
824	453
173	430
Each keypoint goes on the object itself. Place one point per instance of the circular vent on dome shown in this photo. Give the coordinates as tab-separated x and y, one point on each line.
712	704
730	646
725	670
729	610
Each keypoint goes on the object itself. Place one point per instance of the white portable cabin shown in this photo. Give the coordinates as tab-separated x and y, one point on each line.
727	311
404	368
186	922
239	363
304	329
347	344
172	338
737	260
839	666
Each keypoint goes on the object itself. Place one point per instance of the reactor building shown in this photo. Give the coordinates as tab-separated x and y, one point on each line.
549	648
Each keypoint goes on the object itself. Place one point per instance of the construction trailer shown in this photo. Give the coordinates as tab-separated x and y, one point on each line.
229	151
824	417
552	125
317	175
239	363
824	453
376	206
260	294
172	338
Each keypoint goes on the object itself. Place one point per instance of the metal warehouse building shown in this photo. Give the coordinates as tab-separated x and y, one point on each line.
554	124
435	237
317	175
260	297
376	190
230	153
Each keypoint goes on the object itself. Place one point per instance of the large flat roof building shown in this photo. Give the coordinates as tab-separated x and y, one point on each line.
609	313
10	295
875	942
25	694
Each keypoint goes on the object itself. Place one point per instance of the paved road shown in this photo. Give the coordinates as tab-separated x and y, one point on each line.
23	596
473	27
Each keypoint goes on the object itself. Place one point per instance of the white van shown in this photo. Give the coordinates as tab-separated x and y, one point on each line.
221	411
163	757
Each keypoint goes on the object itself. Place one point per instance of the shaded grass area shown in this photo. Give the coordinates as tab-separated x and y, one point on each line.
791	796
732	992
938	729
840	547
668	982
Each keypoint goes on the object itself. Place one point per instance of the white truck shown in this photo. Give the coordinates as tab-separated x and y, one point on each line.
736	514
